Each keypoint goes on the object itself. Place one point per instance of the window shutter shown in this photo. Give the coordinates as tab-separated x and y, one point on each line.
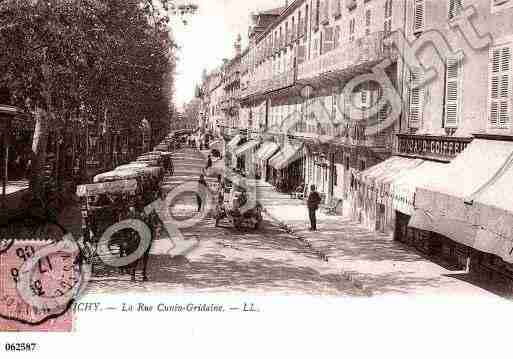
325	16
415	113
328	39
455	7
351	29
388	17
452	91
419	16
301	54
315	15
367	21
336	9
336	37
500	86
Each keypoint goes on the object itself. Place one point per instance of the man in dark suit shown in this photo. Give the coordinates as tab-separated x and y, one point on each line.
314	199
202	185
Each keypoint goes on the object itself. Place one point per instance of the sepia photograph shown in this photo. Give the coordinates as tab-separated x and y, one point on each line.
331	172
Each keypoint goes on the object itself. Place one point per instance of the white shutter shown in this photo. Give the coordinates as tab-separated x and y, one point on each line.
336	9
325	12
328	39
415	111
336	37
419	15
455	7
500	86
452	91
388	17
301	54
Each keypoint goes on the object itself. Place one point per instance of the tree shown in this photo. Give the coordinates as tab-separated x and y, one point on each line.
100	61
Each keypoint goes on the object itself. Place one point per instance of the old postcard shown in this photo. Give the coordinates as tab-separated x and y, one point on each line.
330	172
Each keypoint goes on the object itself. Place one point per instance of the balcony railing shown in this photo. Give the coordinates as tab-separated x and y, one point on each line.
367	49
436	147
277	82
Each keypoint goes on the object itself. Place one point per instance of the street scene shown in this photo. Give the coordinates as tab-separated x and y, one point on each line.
332	148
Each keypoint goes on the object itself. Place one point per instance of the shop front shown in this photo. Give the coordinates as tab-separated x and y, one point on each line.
231	146
245	155
471	218
286	173
262	156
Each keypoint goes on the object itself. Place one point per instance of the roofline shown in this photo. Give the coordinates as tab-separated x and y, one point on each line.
286	11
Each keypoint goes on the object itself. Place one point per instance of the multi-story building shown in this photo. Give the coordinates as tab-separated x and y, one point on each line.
399	111
296	69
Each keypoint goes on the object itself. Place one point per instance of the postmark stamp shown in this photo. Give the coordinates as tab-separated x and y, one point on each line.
38	281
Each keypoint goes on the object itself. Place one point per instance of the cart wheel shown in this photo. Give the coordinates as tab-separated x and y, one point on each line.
217	222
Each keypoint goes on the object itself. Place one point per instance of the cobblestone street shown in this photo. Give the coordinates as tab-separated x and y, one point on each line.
266	261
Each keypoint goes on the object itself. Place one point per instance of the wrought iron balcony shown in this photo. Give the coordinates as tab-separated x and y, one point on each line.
348	56
274	83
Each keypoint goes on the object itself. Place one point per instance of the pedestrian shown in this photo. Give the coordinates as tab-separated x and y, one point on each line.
314	199
209	162
202	185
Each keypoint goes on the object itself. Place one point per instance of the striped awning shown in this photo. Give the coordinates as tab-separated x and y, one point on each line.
267	150
217	145
239	151
234	142
285	157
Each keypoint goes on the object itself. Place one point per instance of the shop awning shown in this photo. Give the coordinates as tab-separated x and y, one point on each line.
239	151
460	200
217	145
285	156
386	171
267	150
234	142
403	187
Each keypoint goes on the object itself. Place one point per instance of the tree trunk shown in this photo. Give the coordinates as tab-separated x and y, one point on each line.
39	145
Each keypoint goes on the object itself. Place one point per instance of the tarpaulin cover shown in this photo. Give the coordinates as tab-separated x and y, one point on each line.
246	147
267	150
234	142
467	200
403	187
285	156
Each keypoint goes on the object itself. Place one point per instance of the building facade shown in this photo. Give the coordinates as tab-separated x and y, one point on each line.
399	111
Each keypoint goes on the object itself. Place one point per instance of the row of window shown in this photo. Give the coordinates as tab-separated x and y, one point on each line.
499	92
296	28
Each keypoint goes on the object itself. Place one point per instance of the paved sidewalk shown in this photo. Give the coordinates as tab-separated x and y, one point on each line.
381	265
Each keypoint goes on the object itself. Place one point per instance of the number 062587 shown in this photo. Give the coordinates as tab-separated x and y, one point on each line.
20	347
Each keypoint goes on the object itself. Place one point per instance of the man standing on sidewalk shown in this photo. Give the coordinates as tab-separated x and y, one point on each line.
314	199
202	184
209	162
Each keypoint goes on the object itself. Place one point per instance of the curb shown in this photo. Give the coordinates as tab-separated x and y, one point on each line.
349	276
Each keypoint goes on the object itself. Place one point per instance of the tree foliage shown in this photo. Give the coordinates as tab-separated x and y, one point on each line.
95	60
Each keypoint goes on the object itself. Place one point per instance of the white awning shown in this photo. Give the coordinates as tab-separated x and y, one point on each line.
386	171
246	147
234	142
267	150
403	187
217	145
285	156
466	200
